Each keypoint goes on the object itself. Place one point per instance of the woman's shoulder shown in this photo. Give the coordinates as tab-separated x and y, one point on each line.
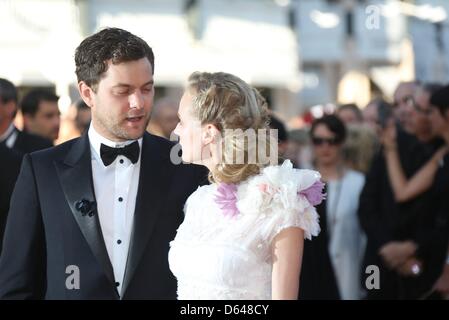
282	192
200	194
284	175
279	174
203	190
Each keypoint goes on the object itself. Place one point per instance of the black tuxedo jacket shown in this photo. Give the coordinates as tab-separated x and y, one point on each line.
49	233
9	170
27	142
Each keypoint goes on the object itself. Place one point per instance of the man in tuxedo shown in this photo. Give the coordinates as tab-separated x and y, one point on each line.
10	136
9	170
13	145
92	218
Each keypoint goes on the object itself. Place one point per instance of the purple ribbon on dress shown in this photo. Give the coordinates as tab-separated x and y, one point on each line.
227	199
314	194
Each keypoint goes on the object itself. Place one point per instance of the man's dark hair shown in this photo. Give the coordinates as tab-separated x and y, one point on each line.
333	124
8	91
117	45
431	88
30	102
440	99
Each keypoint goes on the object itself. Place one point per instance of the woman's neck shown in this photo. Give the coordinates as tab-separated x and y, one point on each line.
330	171
209	164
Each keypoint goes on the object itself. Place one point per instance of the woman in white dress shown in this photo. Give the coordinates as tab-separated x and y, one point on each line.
242	236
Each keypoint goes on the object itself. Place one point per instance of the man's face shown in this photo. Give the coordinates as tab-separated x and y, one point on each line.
439	122
3	114
46	120
419	119
7	112
402	108
121	107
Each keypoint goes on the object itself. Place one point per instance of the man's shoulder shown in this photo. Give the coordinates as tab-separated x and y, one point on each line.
33	141
54	153
158	141
165	149
184	171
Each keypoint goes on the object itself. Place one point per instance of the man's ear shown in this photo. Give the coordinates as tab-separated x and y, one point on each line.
27	121
86	93
210	134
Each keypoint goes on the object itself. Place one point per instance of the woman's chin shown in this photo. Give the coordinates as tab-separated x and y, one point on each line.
186	159
199	162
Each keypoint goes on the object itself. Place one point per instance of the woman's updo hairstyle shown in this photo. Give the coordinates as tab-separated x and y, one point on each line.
228	102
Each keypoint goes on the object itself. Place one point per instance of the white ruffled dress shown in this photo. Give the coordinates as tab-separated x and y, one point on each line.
218	256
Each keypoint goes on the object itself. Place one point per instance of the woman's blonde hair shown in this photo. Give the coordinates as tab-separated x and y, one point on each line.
359	147
229	103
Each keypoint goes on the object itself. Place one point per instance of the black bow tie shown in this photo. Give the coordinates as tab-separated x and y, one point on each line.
108	154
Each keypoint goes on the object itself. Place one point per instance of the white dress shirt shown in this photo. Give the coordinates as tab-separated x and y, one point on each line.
115	191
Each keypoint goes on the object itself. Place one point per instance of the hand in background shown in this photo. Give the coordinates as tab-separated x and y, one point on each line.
396	253
412	267
388	135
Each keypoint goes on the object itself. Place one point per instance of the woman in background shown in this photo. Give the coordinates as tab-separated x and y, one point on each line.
332	262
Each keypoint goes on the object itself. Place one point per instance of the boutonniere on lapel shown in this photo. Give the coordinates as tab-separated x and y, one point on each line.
86	207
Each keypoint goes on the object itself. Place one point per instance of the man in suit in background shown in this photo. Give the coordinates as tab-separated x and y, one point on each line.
9	170
41	114
92	218
10	136
13	145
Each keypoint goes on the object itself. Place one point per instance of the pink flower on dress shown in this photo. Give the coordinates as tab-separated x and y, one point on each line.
263	188
314	194
227	199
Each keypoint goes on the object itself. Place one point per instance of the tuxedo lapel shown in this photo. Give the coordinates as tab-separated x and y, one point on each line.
75	175
153	183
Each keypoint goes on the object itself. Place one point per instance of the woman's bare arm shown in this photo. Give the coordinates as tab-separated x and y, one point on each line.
287	249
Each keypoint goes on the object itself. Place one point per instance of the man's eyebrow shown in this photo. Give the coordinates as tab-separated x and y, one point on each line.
151	82
122	85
